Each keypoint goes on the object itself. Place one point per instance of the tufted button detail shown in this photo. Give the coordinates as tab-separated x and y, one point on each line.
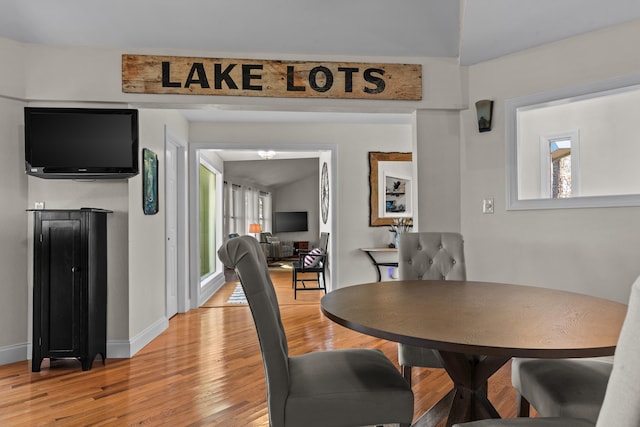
454	261
440	247
419	247
430	261
410	262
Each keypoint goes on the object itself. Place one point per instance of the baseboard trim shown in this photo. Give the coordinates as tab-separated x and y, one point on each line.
117	349
146	336
15	353
210	288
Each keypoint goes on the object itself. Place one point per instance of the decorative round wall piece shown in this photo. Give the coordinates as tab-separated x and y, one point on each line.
324	193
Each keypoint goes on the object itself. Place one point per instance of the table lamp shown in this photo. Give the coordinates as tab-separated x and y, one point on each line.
255	228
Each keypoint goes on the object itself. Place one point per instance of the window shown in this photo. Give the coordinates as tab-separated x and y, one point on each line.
559	156
560	151
207	222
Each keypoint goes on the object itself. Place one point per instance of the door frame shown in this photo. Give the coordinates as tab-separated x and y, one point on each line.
199	295
181	210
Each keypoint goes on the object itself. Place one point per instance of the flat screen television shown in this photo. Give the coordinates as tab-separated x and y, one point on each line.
284	222
77	143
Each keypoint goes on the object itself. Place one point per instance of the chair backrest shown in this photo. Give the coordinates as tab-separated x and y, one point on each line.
246	256
324	241
621	406
431	256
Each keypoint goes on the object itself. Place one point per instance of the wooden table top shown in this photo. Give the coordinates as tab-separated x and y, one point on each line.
480	318
387	249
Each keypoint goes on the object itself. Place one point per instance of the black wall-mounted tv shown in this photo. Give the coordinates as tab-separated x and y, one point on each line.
284	222
81	143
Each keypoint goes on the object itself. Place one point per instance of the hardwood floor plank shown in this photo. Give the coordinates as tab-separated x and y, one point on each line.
205	369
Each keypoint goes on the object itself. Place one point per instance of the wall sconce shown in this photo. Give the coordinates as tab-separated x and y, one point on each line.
484	111
255	229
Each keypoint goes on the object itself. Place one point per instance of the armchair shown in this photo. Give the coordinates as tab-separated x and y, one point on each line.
314	262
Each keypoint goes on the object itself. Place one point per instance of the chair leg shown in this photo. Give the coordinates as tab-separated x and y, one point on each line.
295	284
523	406
406	373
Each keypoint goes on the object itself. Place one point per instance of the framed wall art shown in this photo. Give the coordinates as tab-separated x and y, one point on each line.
149	182
390	179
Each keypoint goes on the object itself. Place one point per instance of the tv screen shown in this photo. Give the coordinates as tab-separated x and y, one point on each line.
290	221
81	142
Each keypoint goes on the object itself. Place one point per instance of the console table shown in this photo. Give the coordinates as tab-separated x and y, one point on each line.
377	264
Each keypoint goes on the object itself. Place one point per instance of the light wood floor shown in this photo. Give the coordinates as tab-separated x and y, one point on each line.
206	369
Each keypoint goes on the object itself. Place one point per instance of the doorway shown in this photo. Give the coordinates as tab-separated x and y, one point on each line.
324	153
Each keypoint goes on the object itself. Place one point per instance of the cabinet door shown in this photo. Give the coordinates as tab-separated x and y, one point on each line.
61	287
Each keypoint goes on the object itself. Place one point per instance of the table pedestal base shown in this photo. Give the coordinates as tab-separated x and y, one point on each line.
467	401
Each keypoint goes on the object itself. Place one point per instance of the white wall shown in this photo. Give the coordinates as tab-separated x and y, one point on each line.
146	244
14	307
437	163
12	81
592	251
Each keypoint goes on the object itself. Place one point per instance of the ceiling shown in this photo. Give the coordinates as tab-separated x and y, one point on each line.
273	173
469	31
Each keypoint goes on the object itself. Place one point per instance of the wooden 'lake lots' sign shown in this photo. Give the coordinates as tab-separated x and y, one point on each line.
283	79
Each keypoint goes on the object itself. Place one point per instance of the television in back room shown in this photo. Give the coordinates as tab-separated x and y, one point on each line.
81	143
284	222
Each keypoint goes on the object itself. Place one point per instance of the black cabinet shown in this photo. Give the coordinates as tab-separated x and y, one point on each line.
69	285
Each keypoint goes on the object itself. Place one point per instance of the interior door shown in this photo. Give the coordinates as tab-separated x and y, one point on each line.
171	251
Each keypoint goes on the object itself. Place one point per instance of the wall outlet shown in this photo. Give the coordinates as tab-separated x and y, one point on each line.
487	205
39	205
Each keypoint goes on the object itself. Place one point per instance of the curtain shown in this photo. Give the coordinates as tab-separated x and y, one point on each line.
251	203
244	206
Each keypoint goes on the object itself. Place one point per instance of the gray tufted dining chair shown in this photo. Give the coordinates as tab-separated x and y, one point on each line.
620	407
334	388
573	388
428	256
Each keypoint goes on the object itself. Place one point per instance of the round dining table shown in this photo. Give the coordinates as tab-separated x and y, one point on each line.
477	327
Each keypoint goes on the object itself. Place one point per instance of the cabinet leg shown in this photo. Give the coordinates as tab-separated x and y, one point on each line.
35	364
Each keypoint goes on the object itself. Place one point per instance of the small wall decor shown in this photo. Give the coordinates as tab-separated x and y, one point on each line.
149	182
484	111
324	193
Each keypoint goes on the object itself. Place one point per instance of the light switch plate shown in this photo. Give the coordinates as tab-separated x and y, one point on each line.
487	205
